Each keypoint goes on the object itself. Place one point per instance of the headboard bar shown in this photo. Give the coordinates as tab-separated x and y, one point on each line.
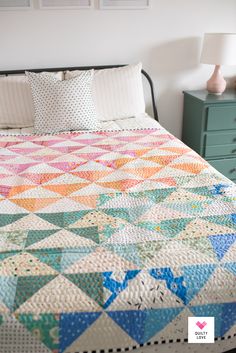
53	69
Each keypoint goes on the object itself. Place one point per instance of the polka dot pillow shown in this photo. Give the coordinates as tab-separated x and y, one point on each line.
62	105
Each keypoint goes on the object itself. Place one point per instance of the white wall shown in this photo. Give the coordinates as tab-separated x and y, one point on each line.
166	38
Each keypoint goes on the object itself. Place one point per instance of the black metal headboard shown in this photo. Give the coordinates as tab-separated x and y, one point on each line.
154	108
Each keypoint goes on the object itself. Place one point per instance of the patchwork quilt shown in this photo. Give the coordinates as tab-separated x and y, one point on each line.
111	240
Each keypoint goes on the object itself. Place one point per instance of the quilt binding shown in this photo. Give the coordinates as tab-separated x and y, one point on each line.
150	343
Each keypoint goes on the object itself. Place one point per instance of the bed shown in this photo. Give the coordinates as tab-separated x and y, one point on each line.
111	239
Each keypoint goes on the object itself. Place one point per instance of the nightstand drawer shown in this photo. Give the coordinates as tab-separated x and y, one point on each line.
226	167
220	150
222	138
221	118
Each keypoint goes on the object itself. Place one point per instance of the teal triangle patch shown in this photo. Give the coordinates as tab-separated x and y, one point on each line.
56	219
51	257
64	219
146	251
6	219
70	256
44	326
104	198
34	236
5	255
231	266
223	220
88	233
183	180
129	214
224	314
193	208
28	286
129	252
169	228
157	320
195	277
8	290
203	191
17	237
157	195
200	244
89	283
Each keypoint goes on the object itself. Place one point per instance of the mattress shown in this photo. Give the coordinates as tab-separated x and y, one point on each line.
139	121
110	240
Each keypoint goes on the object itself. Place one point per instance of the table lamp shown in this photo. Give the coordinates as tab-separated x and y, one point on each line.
218	49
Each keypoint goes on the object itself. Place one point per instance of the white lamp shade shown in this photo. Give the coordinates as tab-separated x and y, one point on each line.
219	49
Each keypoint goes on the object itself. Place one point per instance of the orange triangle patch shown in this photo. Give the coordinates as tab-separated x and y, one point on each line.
65	189
92	175
178	150
144	172
121	185
139	153
117	163
33	205
90	201
168	181
19	189
163	160
41	178
194	168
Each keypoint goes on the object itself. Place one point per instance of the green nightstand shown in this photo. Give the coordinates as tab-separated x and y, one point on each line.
209	128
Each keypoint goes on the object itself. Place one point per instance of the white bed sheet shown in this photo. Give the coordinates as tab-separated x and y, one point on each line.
139	121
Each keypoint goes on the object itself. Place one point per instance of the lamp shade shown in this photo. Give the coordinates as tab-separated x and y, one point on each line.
219	49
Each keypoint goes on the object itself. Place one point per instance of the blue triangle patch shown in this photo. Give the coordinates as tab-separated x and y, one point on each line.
233	218
132	322
72	325
195	277
8	290
214	310
143	325
224	314
228	317
231	266
158	319
222	243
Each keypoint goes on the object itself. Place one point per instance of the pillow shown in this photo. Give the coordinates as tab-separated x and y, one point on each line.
62	105
16	104
118	92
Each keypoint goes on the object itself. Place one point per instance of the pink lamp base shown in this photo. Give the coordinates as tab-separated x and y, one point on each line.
216	84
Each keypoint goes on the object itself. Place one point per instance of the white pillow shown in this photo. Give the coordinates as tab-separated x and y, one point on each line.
16	103
62	105
117	93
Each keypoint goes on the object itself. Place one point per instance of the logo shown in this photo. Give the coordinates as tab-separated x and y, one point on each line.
201	325
201	329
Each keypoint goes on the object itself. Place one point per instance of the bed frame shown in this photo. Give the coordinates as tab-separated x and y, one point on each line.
154	108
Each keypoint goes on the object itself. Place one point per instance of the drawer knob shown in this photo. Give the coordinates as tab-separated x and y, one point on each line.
233	151
232	170
234	140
